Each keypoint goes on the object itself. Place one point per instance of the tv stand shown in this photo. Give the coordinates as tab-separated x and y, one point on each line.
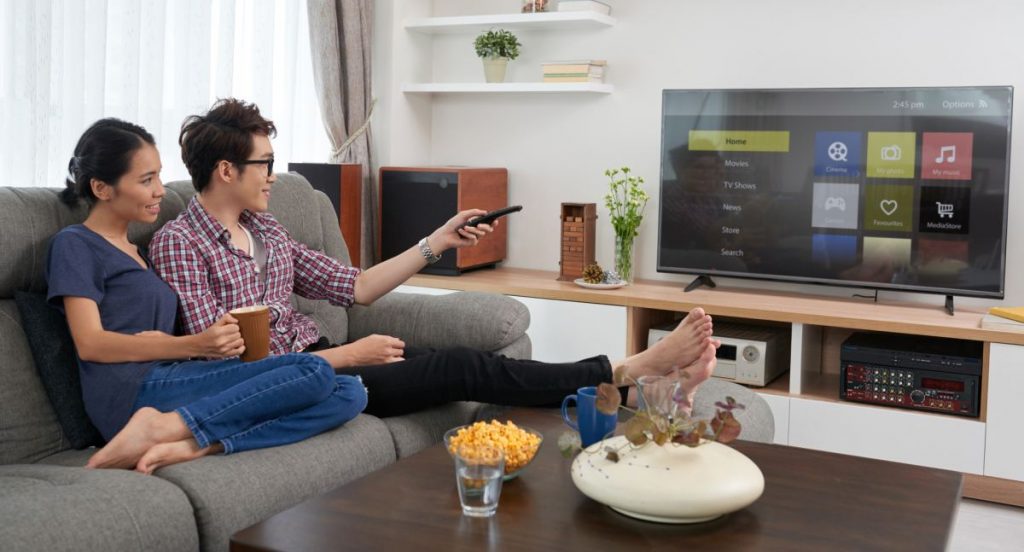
805	402
949	305
702	280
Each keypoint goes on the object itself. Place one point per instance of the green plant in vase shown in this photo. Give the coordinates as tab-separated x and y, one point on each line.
626	201
496	48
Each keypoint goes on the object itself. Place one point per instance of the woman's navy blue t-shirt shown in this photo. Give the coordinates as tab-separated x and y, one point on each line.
131	299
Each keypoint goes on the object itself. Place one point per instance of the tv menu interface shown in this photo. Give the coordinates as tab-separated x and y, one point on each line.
887	188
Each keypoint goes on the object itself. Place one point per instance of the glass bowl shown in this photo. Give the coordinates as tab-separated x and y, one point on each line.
516	459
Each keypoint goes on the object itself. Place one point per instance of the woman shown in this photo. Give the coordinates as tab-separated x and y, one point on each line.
156	407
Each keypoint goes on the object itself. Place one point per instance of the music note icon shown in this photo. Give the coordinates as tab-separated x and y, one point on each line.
943	158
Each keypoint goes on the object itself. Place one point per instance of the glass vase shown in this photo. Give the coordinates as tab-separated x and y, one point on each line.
659	396
624	255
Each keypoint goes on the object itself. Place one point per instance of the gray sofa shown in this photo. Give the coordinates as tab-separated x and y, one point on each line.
49	502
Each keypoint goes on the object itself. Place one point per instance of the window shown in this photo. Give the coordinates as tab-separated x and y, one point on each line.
66	63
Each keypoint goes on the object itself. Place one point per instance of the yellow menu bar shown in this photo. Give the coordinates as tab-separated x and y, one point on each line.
740	140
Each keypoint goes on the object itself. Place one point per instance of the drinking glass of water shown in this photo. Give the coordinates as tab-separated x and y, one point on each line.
478	471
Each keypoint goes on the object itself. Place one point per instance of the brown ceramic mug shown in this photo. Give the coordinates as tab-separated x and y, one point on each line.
254	324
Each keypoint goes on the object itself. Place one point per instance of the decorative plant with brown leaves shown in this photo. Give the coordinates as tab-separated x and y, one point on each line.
662	426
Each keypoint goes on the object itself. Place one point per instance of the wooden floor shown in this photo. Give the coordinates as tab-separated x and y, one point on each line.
987	527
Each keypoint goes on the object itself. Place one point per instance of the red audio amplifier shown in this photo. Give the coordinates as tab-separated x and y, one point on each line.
937	375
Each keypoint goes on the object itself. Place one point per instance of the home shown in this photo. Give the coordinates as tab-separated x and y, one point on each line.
833	186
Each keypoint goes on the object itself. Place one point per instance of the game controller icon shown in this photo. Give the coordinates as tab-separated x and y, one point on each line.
835	203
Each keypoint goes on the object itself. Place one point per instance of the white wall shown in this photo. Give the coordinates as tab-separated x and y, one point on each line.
557	147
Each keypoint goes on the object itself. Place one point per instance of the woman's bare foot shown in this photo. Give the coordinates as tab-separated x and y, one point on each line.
679	348
166	454
695	374
146	428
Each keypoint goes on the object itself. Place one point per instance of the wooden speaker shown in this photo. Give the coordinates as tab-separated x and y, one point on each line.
415	201
343	185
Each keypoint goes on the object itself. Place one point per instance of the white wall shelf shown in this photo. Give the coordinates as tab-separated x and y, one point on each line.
506	87
511	22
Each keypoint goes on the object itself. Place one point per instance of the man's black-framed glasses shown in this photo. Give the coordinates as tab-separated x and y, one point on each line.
268	162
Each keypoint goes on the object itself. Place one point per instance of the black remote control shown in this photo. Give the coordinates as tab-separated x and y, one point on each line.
493	215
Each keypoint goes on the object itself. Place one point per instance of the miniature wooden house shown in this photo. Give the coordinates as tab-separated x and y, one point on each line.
579	222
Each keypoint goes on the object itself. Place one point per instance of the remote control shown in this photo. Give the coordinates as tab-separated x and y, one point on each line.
493	215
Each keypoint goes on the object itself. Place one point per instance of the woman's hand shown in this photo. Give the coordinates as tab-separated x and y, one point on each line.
221	340
451	236
373	349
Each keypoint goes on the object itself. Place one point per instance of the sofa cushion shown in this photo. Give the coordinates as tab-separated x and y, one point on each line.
414	432
484	321
71	458
57	508
230	493
29	217
28	425
54	354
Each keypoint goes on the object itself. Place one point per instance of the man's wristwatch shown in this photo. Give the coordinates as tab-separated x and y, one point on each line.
427	252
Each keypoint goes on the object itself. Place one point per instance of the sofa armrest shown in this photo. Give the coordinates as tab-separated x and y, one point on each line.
483	321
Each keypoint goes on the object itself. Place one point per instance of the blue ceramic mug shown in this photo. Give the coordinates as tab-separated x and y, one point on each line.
590	423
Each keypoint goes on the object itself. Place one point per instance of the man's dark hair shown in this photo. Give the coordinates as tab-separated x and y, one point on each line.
224	133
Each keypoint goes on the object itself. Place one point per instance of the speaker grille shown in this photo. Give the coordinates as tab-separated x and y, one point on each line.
414	204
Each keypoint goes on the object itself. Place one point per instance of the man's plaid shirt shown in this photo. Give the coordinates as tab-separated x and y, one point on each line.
194	255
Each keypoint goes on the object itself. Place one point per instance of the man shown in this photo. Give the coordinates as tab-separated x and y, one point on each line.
225	252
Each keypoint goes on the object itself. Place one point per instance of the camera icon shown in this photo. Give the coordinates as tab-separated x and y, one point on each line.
892	153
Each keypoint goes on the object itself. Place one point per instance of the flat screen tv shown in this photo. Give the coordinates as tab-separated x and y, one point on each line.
885	188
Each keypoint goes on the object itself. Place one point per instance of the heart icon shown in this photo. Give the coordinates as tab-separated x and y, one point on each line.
889	206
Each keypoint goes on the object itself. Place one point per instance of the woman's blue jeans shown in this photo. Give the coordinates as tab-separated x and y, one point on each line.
250	405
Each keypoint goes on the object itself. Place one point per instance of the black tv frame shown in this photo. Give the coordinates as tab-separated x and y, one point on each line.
877	286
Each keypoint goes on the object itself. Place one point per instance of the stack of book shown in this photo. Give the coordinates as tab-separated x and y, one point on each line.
591	70
1004	318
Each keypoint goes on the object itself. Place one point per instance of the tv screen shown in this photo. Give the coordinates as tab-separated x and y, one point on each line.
890	188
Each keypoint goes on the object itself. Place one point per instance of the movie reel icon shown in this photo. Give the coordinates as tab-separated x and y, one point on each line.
837	151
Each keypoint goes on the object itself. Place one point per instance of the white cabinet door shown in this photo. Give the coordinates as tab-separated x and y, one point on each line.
780	411
1004	440
935	440
565	331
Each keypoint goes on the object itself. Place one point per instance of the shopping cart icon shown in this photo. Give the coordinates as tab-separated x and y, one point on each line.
945	209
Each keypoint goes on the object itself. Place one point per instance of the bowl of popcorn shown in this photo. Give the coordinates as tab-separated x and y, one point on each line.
520	444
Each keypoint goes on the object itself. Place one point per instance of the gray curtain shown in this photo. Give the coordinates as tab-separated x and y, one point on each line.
340	37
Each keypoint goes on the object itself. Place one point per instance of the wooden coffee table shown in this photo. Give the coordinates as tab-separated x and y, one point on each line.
812	501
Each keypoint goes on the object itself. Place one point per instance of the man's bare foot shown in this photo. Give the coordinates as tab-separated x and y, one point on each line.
146	428
681	347
166	454
685	343
695	374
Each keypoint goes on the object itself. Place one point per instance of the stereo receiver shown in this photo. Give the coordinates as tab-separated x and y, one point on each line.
919	373
750	354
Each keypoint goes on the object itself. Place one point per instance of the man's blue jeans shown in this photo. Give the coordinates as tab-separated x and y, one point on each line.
250	405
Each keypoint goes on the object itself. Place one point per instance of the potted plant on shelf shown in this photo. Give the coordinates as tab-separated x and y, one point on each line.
626	202
496	48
